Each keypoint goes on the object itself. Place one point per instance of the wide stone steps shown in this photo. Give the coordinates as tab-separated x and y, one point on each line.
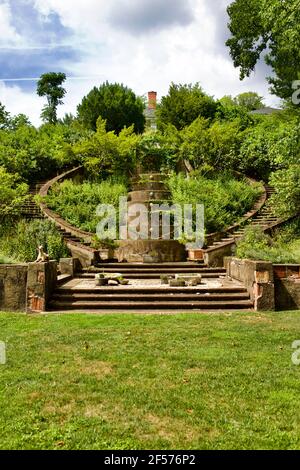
94	297
127	290
82	294
180	266
150	298
151	274
168	305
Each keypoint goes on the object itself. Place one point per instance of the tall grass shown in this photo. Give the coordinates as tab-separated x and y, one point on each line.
19	243
282	247
225	198
77	203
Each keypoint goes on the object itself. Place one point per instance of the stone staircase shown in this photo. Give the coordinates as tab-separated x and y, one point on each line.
31	209
265	218
146	294
152	271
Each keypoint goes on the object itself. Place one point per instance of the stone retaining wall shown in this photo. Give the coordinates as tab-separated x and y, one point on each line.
287	286
27	287
13	281
271	287
257	277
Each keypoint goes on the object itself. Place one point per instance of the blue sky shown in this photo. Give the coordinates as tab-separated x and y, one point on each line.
144	44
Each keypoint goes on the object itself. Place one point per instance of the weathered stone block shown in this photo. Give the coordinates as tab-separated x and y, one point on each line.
257	277
13	279
41	282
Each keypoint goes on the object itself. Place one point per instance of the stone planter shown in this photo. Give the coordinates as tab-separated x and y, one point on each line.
100	280
189	279
195	255
151	259
106	254
177	283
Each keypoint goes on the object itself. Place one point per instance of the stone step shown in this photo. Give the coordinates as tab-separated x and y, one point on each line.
128	290
154	271
152	276
177	265
154	296
153	305
146	270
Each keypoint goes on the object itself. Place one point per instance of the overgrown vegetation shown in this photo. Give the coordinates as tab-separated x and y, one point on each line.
282	247
214	137
13	194
77	203
225	199
20	242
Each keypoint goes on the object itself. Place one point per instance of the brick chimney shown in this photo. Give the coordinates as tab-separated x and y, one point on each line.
152	99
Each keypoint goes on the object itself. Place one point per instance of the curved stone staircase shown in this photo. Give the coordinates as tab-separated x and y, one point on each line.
263	217
145	292
31	209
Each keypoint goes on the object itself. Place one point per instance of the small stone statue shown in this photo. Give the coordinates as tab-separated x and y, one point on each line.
42	256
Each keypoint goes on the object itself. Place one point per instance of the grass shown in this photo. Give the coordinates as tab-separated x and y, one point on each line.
5	259
211	381
77	203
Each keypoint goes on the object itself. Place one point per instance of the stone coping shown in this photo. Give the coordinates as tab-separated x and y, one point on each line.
87	236
53	216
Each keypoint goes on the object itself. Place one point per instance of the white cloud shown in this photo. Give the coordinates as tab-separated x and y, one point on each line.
18	101
182	52
9	35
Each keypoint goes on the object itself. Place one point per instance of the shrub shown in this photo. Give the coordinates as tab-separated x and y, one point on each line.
13	194
21	242
77	203
286	200
225	199
283	247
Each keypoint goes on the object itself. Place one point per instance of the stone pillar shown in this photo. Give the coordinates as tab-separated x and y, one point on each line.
149	190
41	282
70	266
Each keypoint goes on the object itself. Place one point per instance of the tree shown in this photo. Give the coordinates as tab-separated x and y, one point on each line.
249	100
286	200
50	85
184	104
270	27
231	109
4	117
116	104
13	194
105	153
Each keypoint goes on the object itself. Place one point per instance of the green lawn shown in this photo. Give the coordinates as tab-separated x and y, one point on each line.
211	381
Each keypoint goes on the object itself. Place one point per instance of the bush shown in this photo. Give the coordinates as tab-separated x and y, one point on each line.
21	242
286	200
283	247
104	154
77	203
13	194
225	199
